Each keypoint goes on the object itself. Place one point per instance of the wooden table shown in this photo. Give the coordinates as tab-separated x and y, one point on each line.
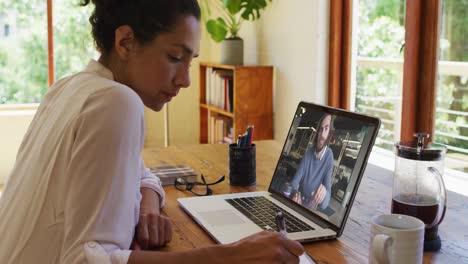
374	197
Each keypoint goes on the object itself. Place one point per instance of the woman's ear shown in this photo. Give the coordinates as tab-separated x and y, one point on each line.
125	41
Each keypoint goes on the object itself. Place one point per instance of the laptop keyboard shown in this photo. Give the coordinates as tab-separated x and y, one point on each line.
263	211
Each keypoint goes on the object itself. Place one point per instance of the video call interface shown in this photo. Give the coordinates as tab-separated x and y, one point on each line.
316	166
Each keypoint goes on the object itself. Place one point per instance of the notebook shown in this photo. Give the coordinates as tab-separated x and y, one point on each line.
167	174
314	184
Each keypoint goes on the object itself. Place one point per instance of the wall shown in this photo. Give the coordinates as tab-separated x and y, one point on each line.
293	37
14	125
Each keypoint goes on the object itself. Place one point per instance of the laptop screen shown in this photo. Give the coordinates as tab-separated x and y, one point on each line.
321	159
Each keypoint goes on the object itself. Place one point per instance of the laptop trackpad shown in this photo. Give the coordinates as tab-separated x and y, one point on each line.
221	217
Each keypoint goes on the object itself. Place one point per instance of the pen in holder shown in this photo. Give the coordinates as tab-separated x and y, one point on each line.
242	167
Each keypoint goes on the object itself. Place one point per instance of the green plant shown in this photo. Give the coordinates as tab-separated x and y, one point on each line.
233	14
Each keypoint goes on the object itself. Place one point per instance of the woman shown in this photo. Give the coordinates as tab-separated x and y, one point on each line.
79	192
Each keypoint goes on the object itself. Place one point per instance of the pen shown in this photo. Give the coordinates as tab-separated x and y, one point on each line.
251	135
245	140
239	140
280	224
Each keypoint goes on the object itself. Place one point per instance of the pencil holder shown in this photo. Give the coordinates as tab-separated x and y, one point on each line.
242	168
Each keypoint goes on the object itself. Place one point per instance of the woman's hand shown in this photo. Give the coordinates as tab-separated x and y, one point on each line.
265	247
153	229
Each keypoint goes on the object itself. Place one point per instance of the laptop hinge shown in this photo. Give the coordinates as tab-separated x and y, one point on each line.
304	212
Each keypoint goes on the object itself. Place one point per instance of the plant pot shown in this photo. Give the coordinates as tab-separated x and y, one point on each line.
232	51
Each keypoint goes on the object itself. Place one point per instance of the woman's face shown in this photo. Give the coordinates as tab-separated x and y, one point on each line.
157	70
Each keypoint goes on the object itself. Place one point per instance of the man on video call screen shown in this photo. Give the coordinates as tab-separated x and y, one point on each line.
316	165
311	184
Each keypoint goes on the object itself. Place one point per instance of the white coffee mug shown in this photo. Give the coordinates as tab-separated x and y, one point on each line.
396	238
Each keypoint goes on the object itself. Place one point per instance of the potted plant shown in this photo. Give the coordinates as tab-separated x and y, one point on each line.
225	28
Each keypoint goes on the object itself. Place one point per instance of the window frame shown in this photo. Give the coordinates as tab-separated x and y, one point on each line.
339	53
419	70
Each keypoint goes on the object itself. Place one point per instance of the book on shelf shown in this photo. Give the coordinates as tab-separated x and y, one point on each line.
219	88
220	129
169	173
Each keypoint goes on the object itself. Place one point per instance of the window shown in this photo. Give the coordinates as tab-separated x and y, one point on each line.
452	84
395	72
24	47
378	77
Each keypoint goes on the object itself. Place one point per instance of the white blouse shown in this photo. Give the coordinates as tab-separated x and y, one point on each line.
74	193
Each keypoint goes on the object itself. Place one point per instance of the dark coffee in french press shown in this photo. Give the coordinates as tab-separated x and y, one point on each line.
418	186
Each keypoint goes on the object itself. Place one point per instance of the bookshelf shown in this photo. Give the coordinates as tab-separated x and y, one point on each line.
233	97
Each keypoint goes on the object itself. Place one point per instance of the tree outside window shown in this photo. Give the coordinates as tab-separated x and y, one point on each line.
379	72
452	87
381	34
23	53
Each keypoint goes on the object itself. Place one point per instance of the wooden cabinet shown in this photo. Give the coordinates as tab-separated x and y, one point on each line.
237	96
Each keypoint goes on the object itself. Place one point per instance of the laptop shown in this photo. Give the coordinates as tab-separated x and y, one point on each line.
314	184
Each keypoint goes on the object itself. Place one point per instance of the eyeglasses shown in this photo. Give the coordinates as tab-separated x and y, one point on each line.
198	188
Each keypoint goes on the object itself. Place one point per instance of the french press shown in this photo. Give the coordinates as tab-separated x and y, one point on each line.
418	186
